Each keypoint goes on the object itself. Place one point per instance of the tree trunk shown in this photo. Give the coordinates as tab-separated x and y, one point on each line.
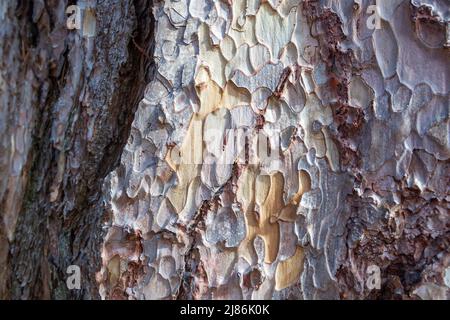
213	149
67	103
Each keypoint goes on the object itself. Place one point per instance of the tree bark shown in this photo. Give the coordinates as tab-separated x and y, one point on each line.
67	106
226	150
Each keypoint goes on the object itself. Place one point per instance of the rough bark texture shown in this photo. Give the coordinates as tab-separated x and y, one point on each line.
67	103
355	114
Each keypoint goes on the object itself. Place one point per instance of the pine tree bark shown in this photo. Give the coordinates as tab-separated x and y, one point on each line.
120	152
67	103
